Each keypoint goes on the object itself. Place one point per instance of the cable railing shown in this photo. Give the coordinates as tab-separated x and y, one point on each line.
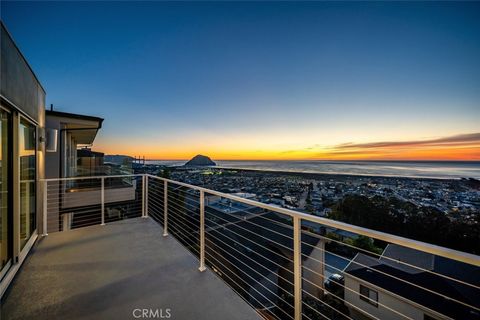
78	202
285	264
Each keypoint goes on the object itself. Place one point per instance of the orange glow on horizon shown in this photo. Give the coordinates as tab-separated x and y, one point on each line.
466	152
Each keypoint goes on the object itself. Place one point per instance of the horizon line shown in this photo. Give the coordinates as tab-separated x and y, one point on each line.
323	160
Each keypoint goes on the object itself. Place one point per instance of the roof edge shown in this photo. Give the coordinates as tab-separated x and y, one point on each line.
74	116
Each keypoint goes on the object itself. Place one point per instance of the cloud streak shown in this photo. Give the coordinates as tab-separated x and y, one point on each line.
455	147
456	140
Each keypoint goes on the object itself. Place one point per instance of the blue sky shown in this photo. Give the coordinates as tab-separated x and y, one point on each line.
234	79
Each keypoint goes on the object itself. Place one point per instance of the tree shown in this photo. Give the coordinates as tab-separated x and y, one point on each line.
403	218
365	243
164	173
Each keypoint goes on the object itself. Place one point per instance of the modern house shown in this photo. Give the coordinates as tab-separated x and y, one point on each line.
141	246
69	137
66	133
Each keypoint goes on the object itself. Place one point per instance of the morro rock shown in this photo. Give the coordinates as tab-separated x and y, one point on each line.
200	160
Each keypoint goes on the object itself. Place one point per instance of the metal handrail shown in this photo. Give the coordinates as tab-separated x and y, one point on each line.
93	177
296	228
402	241
409	243
297	218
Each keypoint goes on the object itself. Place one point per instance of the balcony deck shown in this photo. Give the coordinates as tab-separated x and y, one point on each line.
105	272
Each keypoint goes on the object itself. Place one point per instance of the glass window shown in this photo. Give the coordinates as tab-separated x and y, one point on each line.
5	206
27	153
369	295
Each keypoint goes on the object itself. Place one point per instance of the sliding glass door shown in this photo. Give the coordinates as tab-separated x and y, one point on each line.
24	179
5	196
27	153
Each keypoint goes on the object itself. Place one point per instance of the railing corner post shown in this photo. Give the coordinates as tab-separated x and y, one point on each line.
297	266
165	208
45	207
103	200
202	232
146	196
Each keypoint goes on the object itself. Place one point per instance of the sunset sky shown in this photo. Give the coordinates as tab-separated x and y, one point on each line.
311	80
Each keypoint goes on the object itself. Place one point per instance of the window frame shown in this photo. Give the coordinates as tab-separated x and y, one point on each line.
10	215
365	294
33	231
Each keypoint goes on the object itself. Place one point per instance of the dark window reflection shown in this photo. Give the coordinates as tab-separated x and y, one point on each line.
5	230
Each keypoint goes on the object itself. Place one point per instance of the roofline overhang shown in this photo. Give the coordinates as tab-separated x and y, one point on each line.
83	129
75	116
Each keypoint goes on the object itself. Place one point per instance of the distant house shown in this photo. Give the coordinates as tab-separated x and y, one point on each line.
228	206
389	287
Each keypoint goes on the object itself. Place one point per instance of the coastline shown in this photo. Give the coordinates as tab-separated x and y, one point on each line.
313	175
425	170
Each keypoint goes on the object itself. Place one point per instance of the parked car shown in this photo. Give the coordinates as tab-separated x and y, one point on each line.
335	285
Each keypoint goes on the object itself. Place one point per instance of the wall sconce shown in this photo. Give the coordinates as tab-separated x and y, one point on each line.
51	140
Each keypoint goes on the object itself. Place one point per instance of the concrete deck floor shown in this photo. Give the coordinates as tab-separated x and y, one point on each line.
105	272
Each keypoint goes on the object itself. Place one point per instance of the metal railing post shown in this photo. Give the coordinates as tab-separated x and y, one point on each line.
103	200
297	266
45	207
202	231
165	208
143	196
145	214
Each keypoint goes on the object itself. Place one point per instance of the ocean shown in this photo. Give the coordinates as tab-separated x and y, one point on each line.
411	169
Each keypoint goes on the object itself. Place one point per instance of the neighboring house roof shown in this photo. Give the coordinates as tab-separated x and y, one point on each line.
414	257
448	267
260	245
406	281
